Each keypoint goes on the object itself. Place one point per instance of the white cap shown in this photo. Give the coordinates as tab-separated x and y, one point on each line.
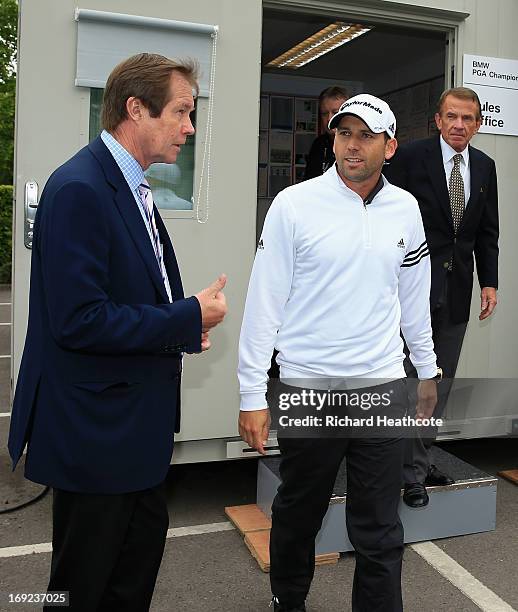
374	112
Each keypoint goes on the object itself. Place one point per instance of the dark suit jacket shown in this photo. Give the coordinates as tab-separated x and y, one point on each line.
418	168
98	389
320	157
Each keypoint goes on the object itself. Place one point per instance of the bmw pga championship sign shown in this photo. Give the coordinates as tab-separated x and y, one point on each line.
496	82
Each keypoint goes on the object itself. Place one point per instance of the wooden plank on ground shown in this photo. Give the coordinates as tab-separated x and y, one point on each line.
258	543
248	518
511	475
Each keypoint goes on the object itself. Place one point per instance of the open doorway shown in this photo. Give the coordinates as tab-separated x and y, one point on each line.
403	65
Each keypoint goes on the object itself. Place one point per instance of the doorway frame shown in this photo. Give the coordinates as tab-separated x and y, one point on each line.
392	13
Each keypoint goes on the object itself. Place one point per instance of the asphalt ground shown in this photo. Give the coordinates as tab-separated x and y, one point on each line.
214	571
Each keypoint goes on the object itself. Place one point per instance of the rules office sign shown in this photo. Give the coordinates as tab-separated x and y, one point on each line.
496	82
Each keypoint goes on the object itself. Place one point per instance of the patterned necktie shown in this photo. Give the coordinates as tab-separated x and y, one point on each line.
456	189
147	200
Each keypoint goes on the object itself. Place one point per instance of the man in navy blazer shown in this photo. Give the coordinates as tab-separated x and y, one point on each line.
425	168
97	398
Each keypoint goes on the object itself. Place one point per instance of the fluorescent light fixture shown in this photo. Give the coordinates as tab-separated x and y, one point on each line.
320	43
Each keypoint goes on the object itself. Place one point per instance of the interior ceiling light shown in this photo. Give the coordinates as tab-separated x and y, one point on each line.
320	43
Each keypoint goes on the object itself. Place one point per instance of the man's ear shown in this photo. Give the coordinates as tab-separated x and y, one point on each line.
390	148
134	108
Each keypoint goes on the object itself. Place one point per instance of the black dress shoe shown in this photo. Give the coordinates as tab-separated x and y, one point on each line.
415	495
278	607
437	478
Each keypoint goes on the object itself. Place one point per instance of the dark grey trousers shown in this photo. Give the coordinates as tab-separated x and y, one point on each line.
447	338
107	549
308	472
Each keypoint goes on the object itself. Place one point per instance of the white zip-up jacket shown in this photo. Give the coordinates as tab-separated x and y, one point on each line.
333	282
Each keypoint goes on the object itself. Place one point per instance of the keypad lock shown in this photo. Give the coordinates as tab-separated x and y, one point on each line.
31	205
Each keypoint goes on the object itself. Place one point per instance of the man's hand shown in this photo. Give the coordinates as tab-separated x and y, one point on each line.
487	302
213	304
205	341
426	398
254	427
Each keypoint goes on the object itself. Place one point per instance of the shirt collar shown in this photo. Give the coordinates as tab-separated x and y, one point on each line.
129	166
377	188
333	171
449	152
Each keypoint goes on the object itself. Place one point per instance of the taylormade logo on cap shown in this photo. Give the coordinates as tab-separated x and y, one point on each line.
374	112
356	102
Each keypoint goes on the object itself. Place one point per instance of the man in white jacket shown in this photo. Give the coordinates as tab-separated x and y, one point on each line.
342	267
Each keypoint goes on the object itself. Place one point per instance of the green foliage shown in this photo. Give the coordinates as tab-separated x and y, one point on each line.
6	223
7	106
8	29
8	42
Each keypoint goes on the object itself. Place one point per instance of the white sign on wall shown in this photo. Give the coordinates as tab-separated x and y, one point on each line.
496	82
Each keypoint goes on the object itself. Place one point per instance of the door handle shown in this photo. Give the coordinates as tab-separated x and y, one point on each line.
31	205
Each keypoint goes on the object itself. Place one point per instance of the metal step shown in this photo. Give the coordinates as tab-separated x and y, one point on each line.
468	506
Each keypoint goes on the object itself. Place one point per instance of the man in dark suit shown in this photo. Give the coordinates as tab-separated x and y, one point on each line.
321	155
456	187
97	399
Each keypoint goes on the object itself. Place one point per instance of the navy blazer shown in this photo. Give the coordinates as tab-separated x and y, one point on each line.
97	397
418	167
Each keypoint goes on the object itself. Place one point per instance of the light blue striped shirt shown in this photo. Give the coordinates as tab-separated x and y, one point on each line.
134	176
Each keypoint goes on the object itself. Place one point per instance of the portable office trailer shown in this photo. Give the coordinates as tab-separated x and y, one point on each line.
65	54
